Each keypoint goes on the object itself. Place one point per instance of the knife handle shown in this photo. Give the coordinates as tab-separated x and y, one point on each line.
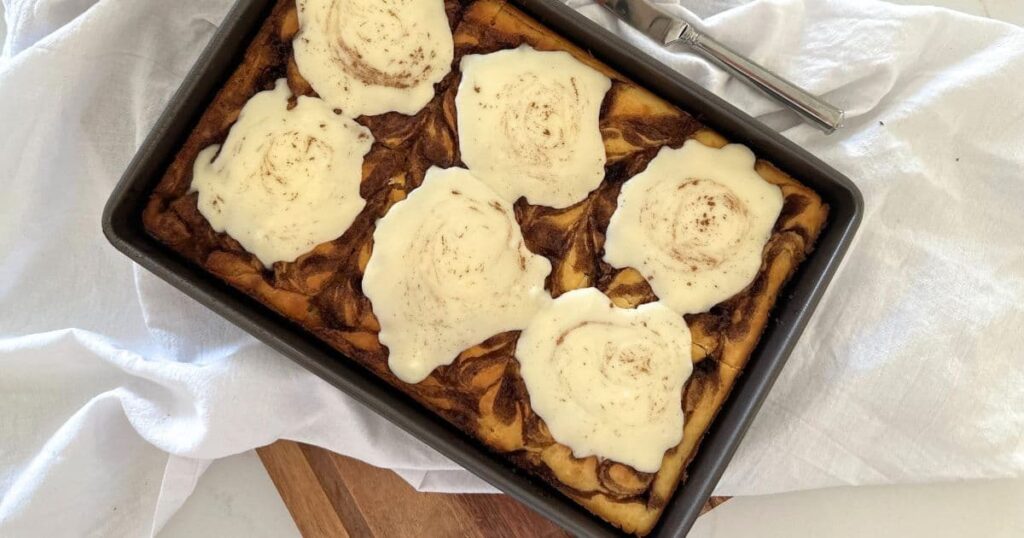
819	113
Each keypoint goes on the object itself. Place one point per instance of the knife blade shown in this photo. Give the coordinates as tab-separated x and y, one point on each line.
667	30
647	18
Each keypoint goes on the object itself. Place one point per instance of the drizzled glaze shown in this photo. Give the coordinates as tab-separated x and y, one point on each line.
368	57
694	223
528	124
448	270
284	180
608	381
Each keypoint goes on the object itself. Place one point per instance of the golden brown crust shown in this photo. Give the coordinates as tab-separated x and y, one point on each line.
481	391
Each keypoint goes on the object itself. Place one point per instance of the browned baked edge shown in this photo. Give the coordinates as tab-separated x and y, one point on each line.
481	392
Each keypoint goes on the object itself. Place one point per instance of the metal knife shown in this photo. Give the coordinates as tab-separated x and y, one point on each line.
667	30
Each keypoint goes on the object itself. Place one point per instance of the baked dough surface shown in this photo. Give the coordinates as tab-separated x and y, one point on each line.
482	392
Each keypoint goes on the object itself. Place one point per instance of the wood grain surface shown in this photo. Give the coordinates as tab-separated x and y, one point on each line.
330	495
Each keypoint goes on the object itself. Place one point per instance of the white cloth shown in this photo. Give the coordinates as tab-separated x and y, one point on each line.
116	390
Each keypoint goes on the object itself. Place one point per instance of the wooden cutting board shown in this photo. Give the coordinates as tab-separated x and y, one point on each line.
330	495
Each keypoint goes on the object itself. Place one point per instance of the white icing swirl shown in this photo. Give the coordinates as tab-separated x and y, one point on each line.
694	223
608	381
528	124
449	269
373	56
284	180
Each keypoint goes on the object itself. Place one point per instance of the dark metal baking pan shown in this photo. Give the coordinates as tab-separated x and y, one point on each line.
122	224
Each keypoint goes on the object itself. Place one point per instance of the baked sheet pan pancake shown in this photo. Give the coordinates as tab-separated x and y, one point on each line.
123	225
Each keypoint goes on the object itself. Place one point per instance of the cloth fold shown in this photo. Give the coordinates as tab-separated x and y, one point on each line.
116	390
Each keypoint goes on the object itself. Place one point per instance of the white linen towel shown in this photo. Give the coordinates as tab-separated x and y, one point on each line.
116	390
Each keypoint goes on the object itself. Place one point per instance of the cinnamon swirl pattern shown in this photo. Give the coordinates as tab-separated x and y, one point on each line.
482	392
694	224
284	180
608	381
368	57
528	124
448	270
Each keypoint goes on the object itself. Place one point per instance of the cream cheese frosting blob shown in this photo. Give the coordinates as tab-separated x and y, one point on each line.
284	180
608	381
694	224
368	57
448	270
529	124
